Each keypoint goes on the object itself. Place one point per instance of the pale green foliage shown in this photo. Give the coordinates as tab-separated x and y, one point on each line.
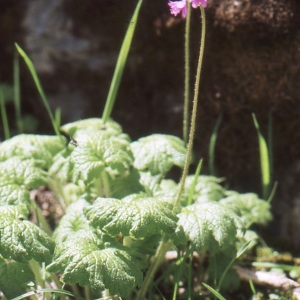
208	226
13	194
73	221
158	153
87	260
207	188
100	153
22	172
249	207
41	148
20	239
14	278
94	125
136	216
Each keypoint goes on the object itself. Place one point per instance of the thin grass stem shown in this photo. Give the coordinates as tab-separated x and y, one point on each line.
4	116
17	97
38	86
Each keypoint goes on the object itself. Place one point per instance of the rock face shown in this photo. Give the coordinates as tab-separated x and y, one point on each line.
251	65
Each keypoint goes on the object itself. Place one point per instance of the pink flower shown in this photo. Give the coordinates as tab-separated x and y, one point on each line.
180	6
177	7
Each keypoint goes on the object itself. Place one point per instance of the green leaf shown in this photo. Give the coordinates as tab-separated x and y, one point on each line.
133	216
13	194
158	153
98	154
86	260
14	278
29	146
208	226
249	208
22	172
94	125
207	188
20	239
73	221
123	186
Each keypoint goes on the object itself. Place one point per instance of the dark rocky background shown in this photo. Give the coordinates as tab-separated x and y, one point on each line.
252	65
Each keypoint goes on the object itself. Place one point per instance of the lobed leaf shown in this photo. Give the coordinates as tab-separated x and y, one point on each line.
134	216
249	208
101	153
14	278
41	148
208	226
94	125
86	260
73	221
207	188
158	153
12	194
22	172
20	239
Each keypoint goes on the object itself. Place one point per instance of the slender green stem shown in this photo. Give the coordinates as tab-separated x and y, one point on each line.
186	74
161	250
4	116
17	99
160	254
194	113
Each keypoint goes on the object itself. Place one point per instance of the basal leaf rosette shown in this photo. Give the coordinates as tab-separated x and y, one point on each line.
158	153
207	226
249	208
41	148
136	216
21	240
86	260
98	154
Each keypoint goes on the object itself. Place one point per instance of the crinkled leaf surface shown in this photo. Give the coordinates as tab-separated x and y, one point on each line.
73	221
134	216
84	259
158	153
12	194
207	188
208	226
99	153
94	125
20	239
14	278
249	207
122	186
22	173
29	146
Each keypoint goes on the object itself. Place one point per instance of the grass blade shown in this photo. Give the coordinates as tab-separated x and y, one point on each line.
212	146
192	189
115	83
214	292
57	291
17	98
264	161
4	116
38	85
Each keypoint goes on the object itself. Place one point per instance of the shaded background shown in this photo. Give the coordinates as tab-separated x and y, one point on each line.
251	65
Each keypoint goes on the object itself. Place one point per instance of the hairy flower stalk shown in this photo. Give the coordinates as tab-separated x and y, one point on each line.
177	7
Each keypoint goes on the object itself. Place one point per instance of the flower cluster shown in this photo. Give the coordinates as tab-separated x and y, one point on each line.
181	6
